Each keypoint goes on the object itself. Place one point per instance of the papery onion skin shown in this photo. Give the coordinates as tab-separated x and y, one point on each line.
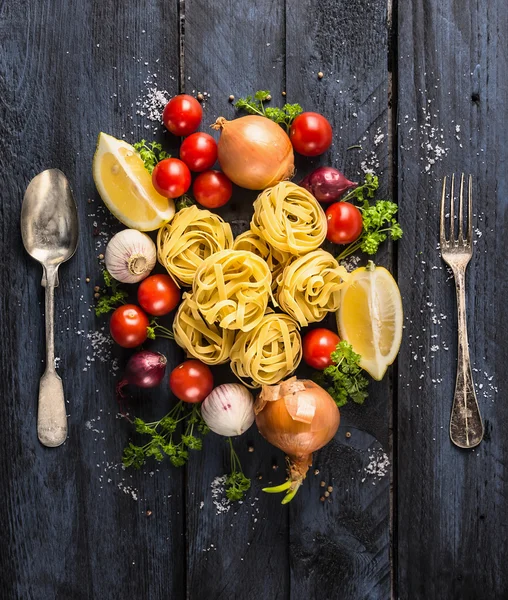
254	152
296	438
229	409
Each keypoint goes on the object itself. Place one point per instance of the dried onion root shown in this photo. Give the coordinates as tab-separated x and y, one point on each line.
208	343
231	288
191	237
268	353
289	218
310	287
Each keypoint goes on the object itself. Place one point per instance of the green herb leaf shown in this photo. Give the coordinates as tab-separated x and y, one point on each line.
236	486
150	153
183	202
379	222
344	380
111	296
254	106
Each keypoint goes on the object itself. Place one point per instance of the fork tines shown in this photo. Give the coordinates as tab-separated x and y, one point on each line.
452	240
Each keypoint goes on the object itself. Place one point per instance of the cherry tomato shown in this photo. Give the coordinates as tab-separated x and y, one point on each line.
310	134
212	189
128	326
158	295
182	115
345	223
318	345
191	381
199	151
171	177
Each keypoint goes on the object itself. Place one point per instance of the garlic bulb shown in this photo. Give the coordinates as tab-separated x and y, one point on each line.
130	256
229	409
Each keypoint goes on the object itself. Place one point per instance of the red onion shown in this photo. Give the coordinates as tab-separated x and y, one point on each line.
145	369
326	184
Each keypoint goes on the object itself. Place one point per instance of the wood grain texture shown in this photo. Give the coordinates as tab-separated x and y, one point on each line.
341	547
453	105
71	526
244	552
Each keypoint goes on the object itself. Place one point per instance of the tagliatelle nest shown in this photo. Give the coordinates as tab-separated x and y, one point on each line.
275	259
289	218
267	353
191	237
232	288
208	343
310	287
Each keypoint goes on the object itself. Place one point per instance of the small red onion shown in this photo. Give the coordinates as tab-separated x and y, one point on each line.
145	369
326	184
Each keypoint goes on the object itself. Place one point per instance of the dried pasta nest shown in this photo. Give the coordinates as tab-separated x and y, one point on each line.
275	259
232	288
208	343
289	219
269	352
192	236
310	287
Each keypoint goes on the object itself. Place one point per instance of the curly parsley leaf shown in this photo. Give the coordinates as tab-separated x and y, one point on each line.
344	380
379	222
150	153
181	422
254	105
236	482
111	296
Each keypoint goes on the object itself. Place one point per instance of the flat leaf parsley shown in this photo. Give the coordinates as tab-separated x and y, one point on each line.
150	153
236	482
254	105
112	295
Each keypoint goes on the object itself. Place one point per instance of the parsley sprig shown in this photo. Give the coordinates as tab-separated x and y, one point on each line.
163	436
156	330
344	379
254	105
151	153
112	295
236	482
379	220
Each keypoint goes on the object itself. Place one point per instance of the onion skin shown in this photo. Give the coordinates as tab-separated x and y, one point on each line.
145	369
326	184
254	152
296	438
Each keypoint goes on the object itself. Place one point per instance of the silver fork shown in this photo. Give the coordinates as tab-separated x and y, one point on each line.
466	426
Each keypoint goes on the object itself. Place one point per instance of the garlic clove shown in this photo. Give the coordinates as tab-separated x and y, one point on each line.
130	256
229	409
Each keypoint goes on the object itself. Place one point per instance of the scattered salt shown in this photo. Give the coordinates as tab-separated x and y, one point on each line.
221	502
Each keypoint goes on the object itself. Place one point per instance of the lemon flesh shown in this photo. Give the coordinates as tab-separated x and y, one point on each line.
370	318
125	186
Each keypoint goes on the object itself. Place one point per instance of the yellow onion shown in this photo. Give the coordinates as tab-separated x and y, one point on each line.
254	152
299	417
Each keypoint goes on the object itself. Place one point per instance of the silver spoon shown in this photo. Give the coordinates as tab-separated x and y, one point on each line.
49	227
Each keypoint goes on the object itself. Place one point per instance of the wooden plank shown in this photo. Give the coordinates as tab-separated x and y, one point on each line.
341	547
74	522
453	106
242	552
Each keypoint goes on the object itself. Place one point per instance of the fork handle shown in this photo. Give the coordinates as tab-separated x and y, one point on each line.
466	426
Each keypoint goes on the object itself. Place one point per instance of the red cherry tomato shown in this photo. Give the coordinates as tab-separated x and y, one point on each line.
191	381
128	326
345	223
318	345
310	134
182	115
171	177
158	295
212	189
199	151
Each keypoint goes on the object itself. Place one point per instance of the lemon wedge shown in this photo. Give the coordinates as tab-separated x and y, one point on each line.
125	186
370	317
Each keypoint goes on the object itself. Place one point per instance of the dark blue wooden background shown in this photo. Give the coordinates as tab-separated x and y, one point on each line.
421	86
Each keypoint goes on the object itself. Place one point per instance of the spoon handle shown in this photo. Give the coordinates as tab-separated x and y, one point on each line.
51	417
